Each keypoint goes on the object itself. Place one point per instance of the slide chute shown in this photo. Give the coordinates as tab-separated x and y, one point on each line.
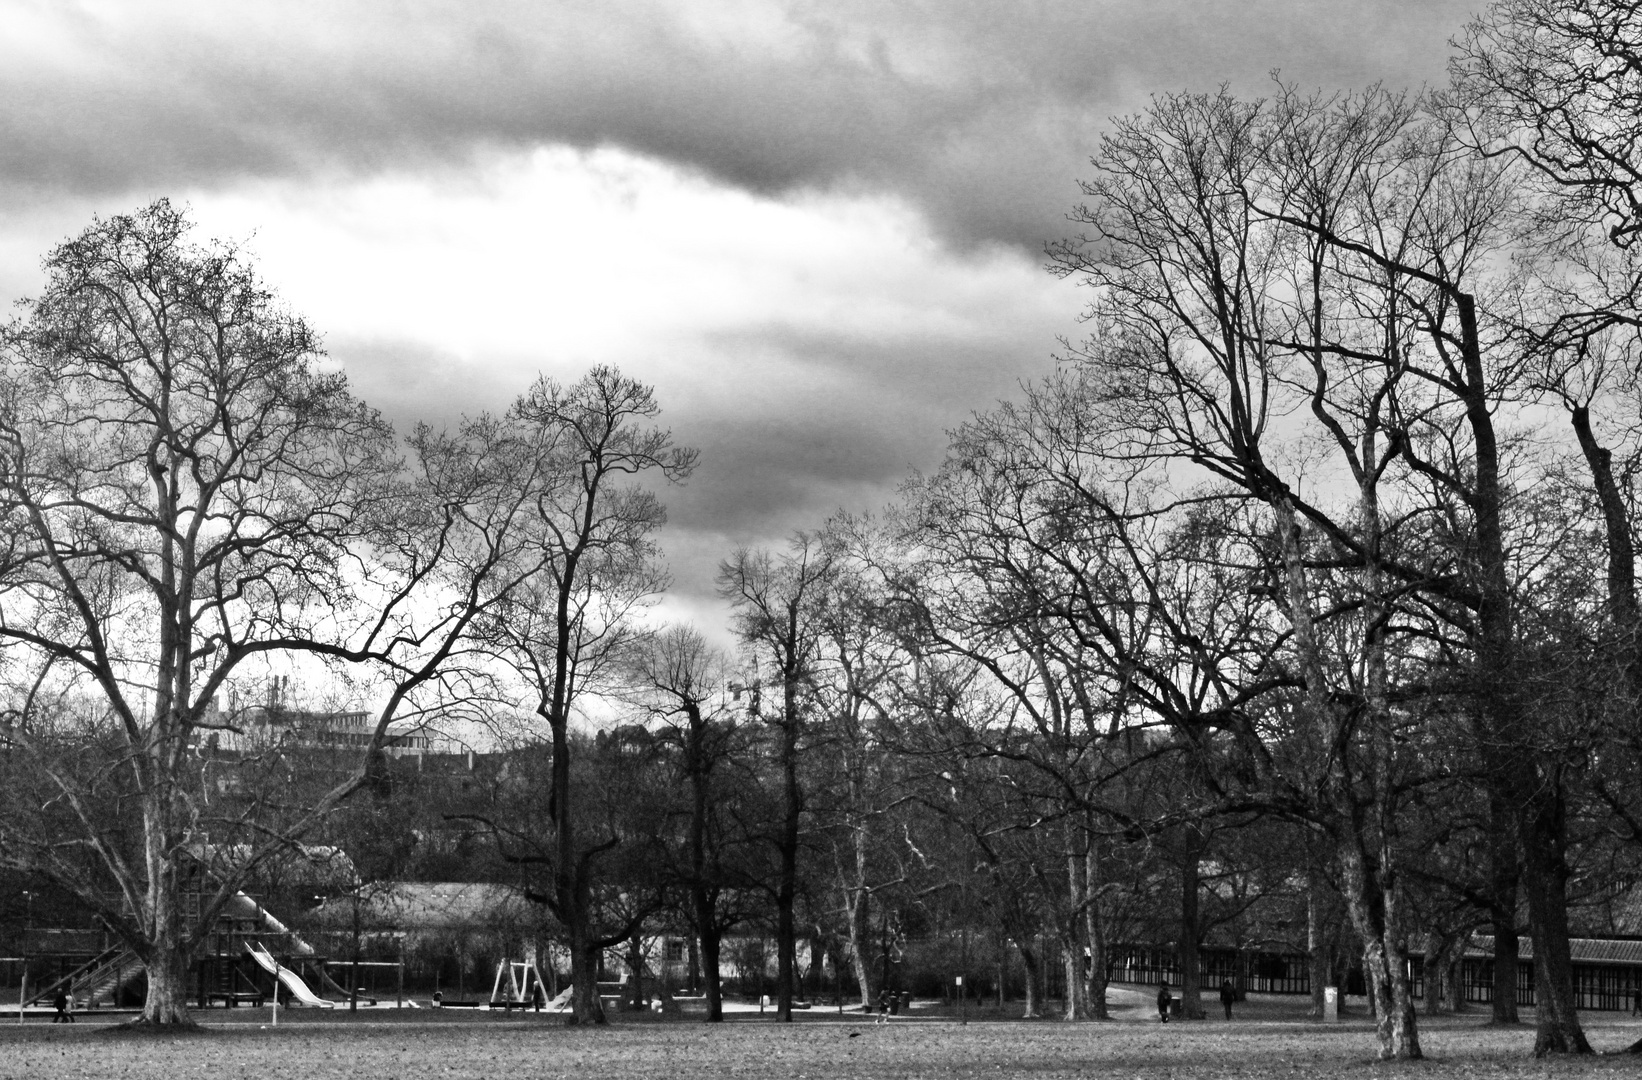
291	980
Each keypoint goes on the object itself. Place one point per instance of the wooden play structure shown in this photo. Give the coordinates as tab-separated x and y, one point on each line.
248	957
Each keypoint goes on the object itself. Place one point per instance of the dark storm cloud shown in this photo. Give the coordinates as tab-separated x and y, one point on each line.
847	422
980	113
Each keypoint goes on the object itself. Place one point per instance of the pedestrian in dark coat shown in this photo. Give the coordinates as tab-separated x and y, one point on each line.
61	1003
1164	1001
1227	996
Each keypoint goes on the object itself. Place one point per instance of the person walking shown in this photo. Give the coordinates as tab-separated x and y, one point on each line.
1636	1001
883	1006
1164	1001
1227	996
64	1014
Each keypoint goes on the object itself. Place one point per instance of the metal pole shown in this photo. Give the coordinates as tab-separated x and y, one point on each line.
963	991
22	993
353	974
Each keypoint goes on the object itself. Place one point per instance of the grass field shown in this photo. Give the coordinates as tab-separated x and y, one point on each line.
483	1046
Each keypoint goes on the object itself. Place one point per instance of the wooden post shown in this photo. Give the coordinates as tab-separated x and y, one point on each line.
22	993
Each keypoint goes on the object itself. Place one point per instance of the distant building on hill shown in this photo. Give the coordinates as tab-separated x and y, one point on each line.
273	723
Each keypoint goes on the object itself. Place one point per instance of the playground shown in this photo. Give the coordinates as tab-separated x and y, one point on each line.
1265	1041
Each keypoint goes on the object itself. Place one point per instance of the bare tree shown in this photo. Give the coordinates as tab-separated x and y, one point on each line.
776	599
680	681
1251	322
191	495
593	527
186	488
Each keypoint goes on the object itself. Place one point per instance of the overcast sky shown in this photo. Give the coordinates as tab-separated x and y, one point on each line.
817	228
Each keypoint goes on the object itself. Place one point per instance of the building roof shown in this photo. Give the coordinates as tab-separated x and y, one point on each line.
1584	950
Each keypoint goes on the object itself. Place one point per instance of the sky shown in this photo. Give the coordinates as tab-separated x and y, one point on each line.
817	228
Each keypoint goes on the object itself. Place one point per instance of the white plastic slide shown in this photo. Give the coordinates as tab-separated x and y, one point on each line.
561	1002
293	982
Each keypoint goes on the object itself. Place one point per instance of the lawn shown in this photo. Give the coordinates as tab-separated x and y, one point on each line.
484	1046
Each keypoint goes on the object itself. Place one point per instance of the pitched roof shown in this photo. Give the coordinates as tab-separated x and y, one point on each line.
1584	950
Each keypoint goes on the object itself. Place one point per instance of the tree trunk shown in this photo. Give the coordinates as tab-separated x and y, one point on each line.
571	893
1367	902
1394	1021
1622	606
1453	970
1077	993
1191	990
167	999
786	938
167	952
635	973
1502	896
585	1006
1029	963
1077	999
1097	938
860	931
710	948
1432	961
1557	1027
1509	755
1405	1032
703	895
1316	951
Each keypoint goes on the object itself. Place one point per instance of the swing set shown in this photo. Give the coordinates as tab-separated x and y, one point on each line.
518	983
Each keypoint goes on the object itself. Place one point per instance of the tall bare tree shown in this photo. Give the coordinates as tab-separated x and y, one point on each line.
593	526
192	495
186	489
776	599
